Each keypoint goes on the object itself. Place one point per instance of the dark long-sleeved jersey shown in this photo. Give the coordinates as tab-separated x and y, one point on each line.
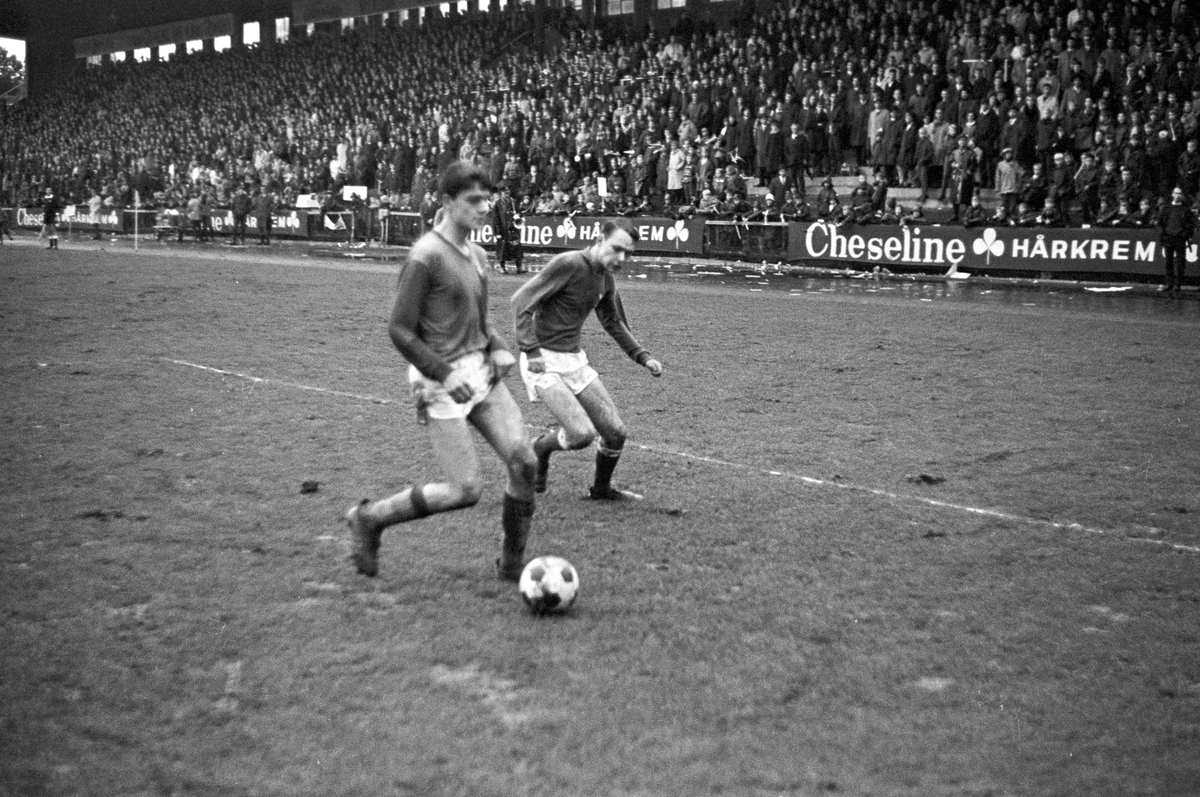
550	309
441	306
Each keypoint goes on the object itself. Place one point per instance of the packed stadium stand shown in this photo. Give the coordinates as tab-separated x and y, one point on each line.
1021	113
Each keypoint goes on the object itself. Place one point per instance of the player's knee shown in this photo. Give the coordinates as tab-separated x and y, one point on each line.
580	438
523	466
468	493
614	438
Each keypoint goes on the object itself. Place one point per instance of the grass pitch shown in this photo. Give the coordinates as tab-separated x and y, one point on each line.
890	547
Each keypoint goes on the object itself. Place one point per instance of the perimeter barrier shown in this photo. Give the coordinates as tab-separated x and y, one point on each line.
929	248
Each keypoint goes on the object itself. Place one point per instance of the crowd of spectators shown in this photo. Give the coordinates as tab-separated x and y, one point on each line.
1058	112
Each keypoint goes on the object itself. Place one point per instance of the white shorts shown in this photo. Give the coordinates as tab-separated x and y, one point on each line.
568	368
431	397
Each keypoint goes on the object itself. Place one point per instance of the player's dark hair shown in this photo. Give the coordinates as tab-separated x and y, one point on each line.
461	176
612	225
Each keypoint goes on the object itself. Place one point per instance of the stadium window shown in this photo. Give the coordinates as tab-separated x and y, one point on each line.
165	52
283	28
309	29
617	8
117	58
485	5
462	6
94	60
250	34
347	24
194	45
664	4
222	43
445	9
141	55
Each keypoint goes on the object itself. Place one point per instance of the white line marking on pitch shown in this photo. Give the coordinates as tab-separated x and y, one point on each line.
282	383
992	513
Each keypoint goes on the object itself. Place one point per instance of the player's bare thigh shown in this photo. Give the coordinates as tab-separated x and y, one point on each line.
569	411
499	420
602	410
457	459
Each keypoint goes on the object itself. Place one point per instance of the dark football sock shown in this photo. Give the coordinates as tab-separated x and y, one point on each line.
606	463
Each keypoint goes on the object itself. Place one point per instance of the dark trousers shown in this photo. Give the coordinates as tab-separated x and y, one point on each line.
1175	256
239	229
507	248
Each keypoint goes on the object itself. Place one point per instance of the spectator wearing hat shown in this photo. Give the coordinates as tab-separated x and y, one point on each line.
781	183
829	206
860	202
1008	181
963	166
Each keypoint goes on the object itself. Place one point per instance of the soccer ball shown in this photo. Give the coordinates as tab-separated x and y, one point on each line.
549	584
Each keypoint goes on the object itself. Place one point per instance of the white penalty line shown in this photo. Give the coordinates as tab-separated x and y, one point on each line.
809	480
919	499
282	383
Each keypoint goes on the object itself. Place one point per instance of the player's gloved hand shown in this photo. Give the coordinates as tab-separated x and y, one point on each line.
456	385
654	366
502	363
535	363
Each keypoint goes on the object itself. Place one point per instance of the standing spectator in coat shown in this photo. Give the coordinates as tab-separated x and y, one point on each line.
676	162
1189	168
503	227
241	207
774	159
264	212
762	132
744	145
51	208
1062	187
987	137
963	166
795	155
924	161
1008	182
1177	225
906	158
1087	188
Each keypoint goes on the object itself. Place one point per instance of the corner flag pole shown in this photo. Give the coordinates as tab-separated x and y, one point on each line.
137	205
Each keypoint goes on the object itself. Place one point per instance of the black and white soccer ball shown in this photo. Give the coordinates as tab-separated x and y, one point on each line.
549	585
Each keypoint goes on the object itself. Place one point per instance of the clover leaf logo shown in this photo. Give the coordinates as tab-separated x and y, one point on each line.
988	245
679	232
567	229
1192	253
